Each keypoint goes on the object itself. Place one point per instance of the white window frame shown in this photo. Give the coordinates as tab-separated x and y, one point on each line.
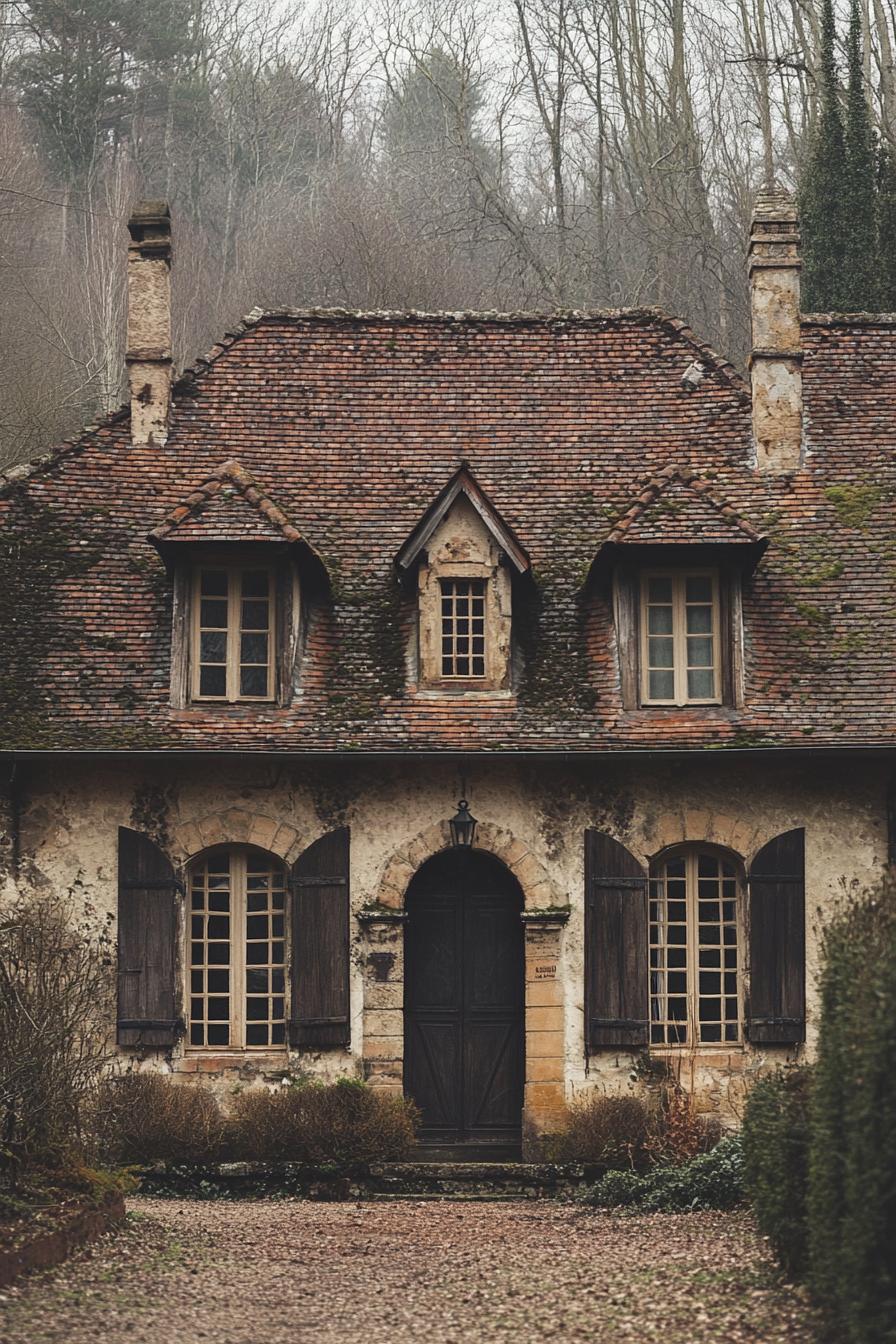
691	855
232	665
237	855
678	579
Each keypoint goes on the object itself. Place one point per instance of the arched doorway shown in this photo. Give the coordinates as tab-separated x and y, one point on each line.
464	1001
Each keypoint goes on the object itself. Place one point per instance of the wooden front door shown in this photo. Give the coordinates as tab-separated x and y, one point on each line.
464	1001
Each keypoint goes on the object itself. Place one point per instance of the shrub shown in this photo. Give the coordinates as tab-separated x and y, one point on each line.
57	997
145	1117
852	1154
678	1132
345	1123
776	1158
612	1131
712	1180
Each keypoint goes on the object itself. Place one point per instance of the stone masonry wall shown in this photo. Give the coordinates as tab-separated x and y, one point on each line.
532	814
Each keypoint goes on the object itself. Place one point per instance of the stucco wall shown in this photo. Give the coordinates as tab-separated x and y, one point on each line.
532	812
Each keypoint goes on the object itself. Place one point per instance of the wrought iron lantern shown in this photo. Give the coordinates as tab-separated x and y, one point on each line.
463	826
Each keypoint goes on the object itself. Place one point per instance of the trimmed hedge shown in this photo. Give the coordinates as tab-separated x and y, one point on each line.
346	1123
820	1146
776	1162
852	1157
147	1117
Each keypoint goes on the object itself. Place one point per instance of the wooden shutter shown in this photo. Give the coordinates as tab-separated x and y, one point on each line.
319	1013
777	1007
147	942
616	985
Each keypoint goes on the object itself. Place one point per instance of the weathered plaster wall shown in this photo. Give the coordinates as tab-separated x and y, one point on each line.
532	813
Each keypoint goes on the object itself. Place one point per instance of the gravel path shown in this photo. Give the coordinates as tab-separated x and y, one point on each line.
270	1272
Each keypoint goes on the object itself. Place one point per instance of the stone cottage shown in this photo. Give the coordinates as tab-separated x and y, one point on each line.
483	704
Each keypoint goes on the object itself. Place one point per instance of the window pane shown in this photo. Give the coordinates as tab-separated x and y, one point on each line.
213	646
698	588
659	652
659	590
699	620
213	681
254	681
254	615
699	651
661	685
254	649
255	583
701	684
213	614
213	583
659	620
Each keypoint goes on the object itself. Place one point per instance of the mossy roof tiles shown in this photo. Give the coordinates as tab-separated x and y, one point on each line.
353	423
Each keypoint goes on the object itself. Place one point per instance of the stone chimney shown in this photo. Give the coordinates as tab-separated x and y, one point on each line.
149	321
776	360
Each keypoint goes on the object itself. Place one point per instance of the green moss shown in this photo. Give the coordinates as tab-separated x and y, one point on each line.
854	503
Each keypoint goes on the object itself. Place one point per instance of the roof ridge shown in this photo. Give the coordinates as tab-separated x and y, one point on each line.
232	470
652	487
232	335
641	315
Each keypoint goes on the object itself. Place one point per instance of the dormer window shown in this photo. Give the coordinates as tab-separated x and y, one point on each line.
674	564
243	580
466	561
680	655
234	620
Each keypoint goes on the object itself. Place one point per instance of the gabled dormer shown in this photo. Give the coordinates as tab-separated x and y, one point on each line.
239	569
676	557
465	557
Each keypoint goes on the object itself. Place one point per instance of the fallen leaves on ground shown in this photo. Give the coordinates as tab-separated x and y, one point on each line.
240	1272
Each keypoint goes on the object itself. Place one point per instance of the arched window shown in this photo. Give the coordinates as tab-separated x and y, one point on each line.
236	955
694	949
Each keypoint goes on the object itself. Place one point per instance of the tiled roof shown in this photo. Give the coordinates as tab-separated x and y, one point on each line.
229	506
354	423
676	507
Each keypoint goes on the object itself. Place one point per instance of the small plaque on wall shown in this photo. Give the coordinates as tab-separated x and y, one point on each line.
545	970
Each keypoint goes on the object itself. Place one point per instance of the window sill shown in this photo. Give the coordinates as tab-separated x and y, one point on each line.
199	1061
700	1051
461	691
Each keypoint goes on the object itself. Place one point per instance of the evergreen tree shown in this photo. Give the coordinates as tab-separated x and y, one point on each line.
861	279
886	229
824	201
81	81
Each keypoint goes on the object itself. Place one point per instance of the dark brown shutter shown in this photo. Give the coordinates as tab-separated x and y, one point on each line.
319	1015
777	1008
147	937
616	987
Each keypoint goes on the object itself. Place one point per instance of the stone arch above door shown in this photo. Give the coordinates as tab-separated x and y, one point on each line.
540	892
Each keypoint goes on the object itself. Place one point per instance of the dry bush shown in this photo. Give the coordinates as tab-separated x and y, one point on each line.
679	1133
612	1131
346	1123
57	998
145	1117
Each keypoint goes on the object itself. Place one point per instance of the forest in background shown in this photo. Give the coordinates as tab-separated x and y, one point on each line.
449	154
